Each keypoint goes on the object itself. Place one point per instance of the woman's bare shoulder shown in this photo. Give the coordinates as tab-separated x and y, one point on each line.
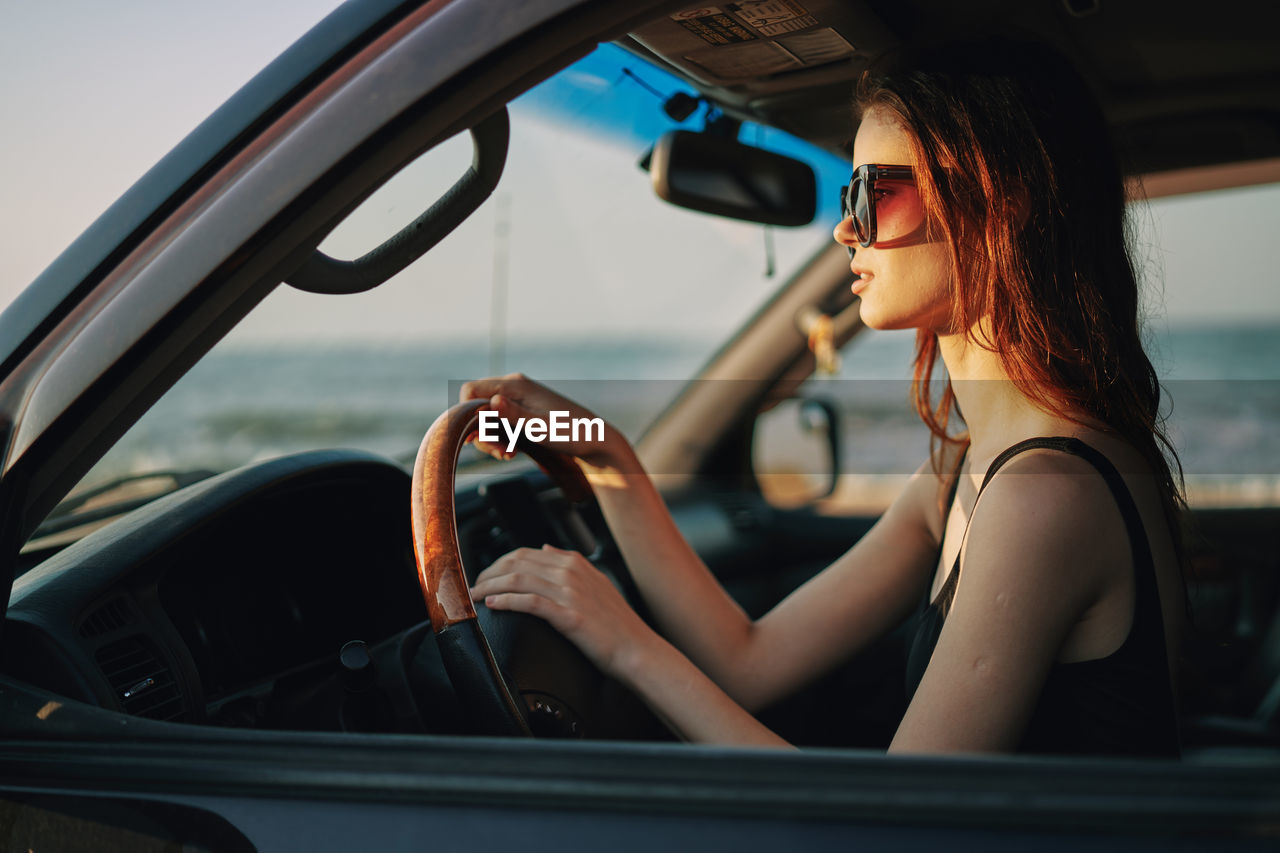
1054	486
1050	510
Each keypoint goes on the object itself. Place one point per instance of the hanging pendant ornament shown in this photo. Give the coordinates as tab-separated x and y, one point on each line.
822	343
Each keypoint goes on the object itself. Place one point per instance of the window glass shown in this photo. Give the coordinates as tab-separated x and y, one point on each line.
572	270
1212	330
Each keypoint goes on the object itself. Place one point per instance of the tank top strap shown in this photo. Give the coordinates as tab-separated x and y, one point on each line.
1063	443
1115	483
1143	564
1147	603
948	590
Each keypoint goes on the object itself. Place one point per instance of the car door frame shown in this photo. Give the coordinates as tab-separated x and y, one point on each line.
63	405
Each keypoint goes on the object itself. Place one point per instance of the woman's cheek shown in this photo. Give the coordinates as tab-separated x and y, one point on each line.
927	276
911	290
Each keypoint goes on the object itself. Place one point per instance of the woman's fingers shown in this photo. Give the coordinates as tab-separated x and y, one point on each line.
538	582
500	447
563	588
530	578
511	410
523	602
504	395
483	389
559	576
513	560
541	415
480	389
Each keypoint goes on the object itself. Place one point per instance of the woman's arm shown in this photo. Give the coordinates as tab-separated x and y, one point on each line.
1044	544
856	599
852	602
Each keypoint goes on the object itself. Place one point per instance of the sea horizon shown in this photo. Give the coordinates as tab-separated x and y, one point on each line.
247	402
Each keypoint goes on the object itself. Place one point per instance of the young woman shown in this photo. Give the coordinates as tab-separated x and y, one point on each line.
1037	551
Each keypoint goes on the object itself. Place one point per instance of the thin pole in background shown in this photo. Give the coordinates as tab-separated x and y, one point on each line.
498	295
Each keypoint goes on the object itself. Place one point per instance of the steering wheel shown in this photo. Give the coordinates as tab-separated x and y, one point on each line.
486	695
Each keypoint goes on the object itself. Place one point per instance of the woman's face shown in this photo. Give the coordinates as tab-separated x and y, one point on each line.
903	283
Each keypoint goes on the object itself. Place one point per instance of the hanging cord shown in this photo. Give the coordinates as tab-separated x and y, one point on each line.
627	72
770	255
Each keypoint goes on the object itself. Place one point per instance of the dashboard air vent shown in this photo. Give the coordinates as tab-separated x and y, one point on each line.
116	613
141	680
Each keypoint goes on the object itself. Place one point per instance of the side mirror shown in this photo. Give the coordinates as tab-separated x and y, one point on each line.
795	451
717	175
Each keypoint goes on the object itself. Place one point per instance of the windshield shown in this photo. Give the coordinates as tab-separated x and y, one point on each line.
575	271
572	270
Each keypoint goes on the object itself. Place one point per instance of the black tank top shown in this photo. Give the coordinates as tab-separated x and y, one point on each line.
1120	704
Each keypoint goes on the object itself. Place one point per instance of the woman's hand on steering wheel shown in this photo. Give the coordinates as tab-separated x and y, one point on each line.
516	396
575	597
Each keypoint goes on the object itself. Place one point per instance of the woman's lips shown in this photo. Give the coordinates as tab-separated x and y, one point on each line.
862	280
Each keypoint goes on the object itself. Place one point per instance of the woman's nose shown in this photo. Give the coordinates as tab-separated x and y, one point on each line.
844	234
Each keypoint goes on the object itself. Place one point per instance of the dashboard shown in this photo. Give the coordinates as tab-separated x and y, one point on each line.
228	602
285	595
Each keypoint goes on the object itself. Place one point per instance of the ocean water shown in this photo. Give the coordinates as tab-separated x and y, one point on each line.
1221	402
245	405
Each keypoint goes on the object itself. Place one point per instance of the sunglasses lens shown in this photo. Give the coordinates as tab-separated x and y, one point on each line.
861	210
899	214
846	208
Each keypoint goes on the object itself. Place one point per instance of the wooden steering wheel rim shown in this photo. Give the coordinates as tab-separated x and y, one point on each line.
467	655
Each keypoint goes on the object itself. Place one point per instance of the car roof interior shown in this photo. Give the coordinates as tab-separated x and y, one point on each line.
1185	86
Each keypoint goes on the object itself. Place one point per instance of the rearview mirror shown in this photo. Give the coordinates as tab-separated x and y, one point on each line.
715	174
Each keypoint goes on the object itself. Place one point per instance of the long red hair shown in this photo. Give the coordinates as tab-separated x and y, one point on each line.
1020	181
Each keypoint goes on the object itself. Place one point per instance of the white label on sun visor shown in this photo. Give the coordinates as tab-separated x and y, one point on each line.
745	61
819	46
773	17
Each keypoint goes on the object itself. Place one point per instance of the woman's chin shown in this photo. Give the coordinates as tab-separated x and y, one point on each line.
880	320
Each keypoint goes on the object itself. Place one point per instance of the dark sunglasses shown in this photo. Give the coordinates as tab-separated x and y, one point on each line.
858	199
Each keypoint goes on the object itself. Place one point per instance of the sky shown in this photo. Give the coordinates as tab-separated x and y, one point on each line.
95	93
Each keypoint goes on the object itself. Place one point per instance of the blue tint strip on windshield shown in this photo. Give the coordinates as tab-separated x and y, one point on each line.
595	94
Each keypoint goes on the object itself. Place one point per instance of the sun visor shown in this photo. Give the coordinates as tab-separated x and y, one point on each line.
733	43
